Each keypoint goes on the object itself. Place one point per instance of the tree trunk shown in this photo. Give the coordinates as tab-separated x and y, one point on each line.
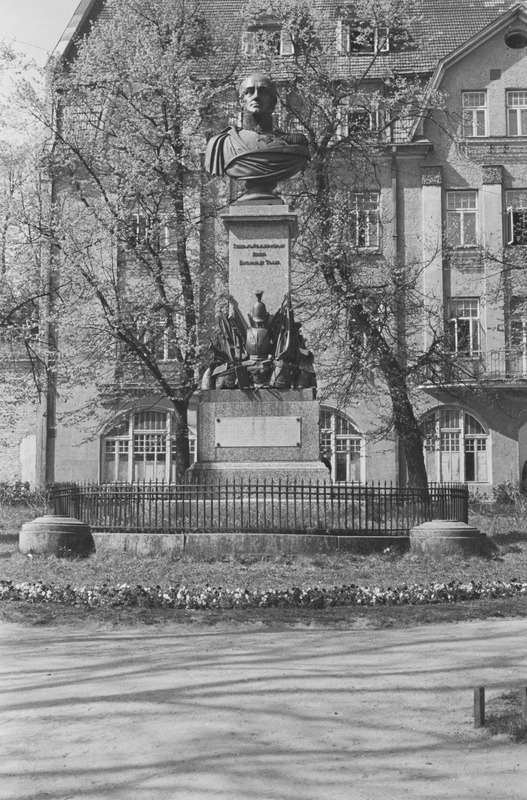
404	420
181	446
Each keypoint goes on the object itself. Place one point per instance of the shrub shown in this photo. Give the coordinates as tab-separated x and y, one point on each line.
510	494
20	493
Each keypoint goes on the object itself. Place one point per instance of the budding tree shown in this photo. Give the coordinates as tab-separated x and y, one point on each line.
128	122
354	112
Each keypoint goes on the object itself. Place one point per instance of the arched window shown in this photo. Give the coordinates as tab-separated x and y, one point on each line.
342	446
456	446
141	447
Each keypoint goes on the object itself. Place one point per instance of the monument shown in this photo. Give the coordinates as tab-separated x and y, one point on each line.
257	412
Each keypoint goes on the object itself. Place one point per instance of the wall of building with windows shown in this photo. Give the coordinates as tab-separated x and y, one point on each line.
454	201
479	209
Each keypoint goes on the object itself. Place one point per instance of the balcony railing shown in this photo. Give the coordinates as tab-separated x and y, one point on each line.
493	366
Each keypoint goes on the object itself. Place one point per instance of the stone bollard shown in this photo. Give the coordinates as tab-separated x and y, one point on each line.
56	535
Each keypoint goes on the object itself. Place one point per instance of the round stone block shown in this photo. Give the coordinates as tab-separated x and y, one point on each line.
444	537
57	536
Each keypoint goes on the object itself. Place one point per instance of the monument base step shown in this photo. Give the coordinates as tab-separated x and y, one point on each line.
243	471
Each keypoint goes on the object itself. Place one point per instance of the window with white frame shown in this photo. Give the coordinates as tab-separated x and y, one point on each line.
474	114
465	325
516	203
342	446
516	112
161	336
364	219
145	229
362	37
462	218
517	336
141	447
358	120
268	37
456	447
518	323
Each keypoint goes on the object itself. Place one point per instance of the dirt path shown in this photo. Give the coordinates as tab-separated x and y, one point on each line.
238	713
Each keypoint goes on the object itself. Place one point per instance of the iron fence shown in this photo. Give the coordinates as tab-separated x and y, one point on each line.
260	507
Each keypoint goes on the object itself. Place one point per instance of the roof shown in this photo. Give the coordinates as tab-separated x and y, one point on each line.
440	28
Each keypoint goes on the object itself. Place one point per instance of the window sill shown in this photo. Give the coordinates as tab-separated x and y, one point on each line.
463	248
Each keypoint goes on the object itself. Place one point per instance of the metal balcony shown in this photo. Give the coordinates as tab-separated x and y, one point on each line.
507	367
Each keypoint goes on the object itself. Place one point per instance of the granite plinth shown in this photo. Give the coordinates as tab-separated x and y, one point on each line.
259	254
243	472
263	434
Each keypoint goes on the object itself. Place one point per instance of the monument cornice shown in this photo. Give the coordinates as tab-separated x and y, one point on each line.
263	213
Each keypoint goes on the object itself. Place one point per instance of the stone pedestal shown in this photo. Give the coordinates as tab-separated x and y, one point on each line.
54	535
259	253
263	434
443	537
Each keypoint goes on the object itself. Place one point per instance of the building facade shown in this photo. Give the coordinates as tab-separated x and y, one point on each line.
451	195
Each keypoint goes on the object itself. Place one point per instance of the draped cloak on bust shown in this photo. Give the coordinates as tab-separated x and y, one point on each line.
247	155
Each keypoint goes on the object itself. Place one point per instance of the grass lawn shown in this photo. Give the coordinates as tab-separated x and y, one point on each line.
390	569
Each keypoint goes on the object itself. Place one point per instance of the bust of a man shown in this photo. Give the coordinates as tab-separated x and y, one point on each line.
256	153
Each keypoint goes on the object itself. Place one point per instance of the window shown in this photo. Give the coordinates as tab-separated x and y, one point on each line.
83	112
517	337
358	120
362	37
364	219
464	326
146	229
342	446
456	446
474	114
517	112
162	337
516	202
516	40
141	447
462	218
268	37
518	323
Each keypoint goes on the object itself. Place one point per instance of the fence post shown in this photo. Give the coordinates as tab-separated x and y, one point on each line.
523	696
479	707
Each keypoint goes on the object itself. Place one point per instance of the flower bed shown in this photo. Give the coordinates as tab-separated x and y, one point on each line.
217	597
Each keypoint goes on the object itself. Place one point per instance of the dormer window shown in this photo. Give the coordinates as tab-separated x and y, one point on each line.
362	37
268	37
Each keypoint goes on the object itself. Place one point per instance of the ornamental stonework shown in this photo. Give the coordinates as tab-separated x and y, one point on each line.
431	176
492	174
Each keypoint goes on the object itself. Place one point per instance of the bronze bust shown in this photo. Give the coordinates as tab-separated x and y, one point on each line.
256	153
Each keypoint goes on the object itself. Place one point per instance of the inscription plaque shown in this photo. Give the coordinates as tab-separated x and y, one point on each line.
258	432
